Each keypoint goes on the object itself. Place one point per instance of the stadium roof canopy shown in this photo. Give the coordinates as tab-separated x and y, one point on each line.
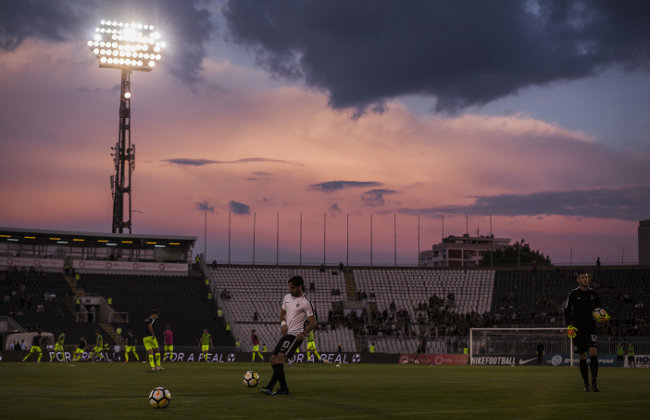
25	239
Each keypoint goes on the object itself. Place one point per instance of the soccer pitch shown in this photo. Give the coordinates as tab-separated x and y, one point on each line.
321	391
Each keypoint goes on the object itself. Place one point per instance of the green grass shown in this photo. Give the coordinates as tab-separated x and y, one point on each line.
365	391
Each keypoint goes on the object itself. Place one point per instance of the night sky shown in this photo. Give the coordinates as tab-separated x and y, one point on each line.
534	115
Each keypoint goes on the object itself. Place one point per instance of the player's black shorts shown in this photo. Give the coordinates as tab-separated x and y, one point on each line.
287	345
584	339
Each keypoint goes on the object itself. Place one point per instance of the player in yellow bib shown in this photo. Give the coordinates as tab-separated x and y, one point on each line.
99	346
255	341
81	348
130	346
37	342
206	343
151	342
58	346
630	356
311	346
168	343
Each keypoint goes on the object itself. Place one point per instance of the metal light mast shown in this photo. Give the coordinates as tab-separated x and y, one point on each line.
124	158
128	47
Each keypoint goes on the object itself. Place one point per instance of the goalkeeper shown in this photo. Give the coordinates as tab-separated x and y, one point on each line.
581	326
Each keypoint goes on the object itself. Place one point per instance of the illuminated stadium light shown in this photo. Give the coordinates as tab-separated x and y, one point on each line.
129	47
126	46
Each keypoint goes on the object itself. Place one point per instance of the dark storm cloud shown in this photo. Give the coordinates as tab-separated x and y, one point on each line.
239	208
50	20
202	162
256	159
204	206
330	186
260	176
184	25
375	197
629	203
190	162
462	52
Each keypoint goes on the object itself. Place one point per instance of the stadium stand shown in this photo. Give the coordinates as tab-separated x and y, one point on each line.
182	301
522	297
46	301
626	293
472	290
394	308
406	302
244	290
41	300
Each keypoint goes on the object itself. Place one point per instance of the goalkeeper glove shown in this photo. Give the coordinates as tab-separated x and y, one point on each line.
572	331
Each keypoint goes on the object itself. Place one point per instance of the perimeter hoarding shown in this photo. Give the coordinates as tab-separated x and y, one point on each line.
195	356
604	360
434	359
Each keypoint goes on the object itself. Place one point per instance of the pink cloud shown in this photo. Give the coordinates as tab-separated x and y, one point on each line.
56	163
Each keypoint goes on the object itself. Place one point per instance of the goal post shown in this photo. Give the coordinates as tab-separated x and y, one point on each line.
518	346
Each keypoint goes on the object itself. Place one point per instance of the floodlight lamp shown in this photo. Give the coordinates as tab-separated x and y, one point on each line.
127	95
117	45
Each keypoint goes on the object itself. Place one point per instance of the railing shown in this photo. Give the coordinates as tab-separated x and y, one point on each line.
118	318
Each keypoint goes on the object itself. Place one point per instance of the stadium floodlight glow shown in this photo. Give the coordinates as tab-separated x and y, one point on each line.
126	46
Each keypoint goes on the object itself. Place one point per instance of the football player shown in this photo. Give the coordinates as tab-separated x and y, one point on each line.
581	326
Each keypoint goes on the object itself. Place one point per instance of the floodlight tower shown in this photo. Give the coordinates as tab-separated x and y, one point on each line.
128	47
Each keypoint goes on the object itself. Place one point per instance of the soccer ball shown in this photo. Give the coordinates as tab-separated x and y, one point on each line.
600	315
160	397
251	379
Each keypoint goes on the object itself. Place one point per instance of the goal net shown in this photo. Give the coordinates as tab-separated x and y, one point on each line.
518	346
